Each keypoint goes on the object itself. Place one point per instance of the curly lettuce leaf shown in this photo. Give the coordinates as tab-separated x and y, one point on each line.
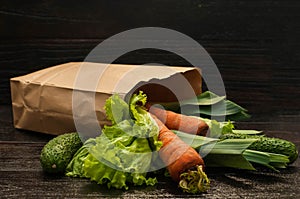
143	122
74	168
123	153
216	129
118	158
103	174
116	109
136	109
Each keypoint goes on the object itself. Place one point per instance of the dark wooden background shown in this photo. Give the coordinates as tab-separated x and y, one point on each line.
255	44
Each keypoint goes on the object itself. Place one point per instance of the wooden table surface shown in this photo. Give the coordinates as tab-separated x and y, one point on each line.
21	175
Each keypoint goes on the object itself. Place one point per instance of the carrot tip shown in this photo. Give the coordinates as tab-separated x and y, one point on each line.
194	181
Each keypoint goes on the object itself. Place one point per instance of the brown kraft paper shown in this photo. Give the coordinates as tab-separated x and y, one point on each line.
42	101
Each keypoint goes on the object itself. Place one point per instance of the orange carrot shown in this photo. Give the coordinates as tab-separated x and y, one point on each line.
183	163
180	122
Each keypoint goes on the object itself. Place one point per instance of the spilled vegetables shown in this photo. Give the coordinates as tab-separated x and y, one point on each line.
143	139
236	149
125	151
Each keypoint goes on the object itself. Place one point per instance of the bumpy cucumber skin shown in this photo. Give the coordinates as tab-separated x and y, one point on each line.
58	152
268	144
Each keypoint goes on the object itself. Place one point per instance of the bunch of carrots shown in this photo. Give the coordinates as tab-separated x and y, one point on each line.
183	162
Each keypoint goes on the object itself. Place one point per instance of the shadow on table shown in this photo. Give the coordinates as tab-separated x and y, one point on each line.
249	179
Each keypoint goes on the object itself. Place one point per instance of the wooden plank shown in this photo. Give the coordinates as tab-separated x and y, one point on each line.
226	185
21	176
101	19
252	62
21	57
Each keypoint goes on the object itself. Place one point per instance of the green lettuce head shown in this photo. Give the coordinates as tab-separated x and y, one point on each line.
125	151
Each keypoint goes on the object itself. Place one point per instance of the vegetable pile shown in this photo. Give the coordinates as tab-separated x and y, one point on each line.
145	140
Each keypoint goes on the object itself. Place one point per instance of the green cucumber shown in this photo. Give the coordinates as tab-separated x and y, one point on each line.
58	152
268	144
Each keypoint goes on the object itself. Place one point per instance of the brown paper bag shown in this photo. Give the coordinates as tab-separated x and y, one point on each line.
42	101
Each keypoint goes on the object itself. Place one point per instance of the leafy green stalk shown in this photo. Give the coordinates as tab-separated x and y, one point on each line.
247	132
234	152
268	144
227	153
193	140
270	160
208	105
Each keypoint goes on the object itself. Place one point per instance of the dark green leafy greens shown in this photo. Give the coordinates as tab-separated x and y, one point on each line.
209	105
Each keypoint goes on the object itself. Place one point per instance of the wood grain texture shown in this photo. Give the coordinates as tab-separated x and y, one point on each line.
255	44
21	175
100	19
252	77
